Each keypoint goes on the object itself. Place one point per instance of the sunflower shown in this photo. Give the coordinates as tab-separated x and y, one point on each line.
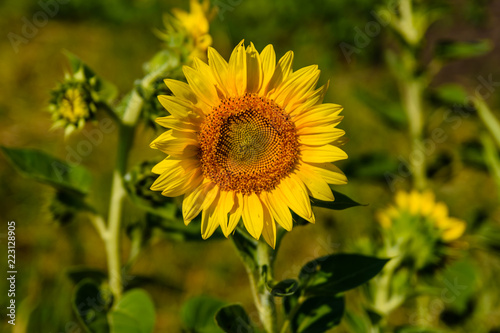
248	139
422	206
189	30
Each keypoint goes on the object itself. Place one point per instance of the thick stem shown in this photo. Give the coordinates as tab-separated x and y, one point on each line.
412	101
266	306
113	235
257	256
118	194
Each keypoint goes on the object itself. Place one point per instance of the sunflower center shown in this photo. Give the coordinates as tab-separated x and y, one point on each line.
248	144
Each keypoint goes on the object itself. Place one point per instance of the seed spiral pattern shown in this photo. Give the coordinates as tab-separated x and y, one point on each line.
248	144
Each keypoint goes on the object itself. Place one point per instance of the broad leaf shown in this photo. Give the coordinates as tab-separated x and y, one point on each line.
451	50
341	201
234	319
333	274
451	94
44	168
91	307
134	313
198	314
318	314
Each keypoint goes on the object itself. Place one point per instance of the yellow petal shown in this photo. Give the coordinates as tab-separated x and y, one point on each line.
220	70
321	125
269	228
253	215
454	230
254	69
312	98
235	214
322	154
202	86
195	200
414	202
440	212
329	172
427	204
281	71
402	199
311	116
238	70
181	90
320	139
209	219
172	122
268	57
184	184
177	144
316	186
296	85
294	194
226	203
278	208
177	148
173	176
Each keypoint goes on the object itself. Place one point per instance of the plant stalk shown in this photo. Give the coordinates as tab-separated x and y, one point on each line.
118	194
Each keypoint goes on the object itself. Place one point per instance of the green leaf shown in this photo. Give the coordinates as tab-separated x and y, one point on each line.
285	288
459	284
65	205
318	314
342	201
233	319
198	314
44	168
451	94
134	313
337	273
389	110
91	307
452	50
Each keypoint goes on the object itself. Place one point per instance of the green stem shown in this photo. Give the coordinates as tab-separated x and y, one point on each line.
412	96
265	301
113	235
118	194
257	257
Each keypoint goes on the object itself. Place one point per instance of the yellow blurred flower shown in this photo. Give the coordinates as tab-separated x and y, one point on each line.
423	205
73	107
248	139
193	26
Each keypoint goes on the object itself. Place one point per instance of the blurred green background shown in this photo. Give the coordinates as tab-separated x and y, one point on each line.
115	38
